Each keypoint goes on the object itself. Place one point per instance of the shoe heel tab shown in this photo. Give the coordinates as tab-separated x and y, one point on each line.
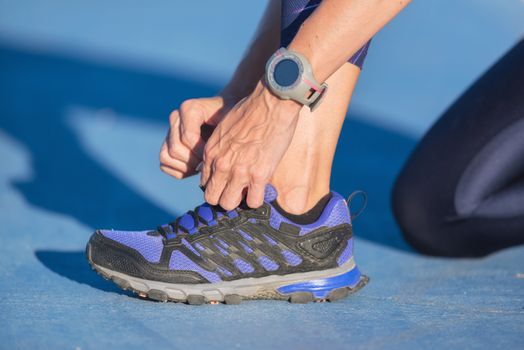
363	206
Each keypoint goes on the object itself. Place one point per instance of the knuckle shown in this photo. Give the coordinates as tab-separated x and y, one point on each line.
240	171
163	157
189	138
188	106
171	151
221	165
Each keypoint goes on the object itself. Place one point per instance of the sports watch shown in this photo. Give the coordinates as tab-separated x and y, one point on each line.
290	77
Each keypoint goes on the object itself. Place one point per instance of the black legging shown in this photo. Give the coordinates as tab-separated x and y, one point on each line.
461	192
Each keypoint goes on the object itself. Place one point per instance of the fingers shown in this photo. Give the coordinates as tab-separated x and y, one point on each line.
209	155
175	155
190	126
170	171
229	194
226	177
175	147
175	150
193	115
175	167
233	191
226	186
255	194
218	180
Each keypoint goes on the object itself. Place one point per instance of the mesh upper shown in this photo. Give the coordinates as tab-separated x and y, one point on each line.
150	247
267	263
243	266
225	271
222	250
180	262
190	247
270	240
245	235
246	248
224	244
270	193
291	258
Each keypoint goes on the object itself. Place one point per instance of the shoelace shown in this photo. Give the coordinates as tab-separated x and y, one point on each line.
190	222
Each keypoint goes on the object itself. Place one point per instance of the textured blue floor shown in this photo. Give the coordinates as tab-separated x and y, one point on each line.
84	98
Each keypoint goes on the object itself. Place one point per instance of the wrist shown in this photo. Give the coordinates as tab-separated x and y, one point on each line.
311	57
233	93
280	111
275	101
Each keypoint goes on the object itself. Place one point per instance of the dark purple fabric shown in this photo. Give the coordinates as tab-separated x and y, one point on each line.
461	192
295	12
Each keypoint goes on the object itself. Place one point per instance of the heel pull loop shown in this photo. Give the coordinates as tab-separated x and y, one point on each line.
364	203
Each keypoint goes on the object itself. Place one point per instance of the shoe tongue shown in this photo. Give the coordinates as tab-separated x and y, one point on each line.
270	193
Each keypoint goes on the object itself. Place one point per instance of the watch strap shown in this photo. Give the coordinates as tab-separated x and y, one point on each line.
310	92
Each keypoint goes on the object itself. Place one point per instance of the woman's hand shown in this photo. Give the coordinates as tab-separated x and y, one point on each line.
183	148
246	147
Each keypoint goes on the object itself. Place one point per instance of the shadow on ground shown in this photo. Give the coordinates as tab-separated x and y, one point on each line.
36	89
74	266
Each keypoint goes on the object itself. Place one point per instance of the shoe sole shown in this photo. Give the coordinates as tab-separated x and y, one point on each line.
315	286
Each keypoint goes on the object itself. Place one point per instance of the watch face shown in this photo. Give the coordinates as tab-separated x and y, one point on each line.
286	72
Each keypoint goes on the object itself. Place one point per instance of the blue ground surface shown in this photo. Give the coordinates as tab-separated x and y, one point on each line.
85	90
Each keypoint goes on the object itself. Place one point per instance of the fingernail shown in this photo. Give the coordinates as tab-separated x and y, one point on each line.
199	167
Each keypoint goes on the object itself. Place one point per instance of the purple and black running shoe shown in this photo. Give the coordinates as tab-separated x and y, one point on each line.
211	255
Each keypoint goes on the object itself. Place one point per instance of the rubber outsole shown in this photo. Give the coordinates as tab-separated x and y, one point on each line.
299	297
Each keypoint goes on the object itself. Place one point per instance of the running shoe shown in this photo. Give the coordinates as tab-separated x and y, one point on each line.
210	255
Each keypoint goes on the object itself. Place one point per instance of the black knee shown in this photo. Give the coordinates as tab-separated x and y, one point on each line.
412	210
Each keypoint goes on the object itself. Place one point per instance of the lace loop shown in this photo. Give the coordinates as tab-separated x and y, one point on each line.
175	228
364	203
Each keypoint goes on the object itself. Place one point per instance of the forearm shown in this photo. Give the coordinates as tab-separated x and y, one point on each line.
338	28
264	44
